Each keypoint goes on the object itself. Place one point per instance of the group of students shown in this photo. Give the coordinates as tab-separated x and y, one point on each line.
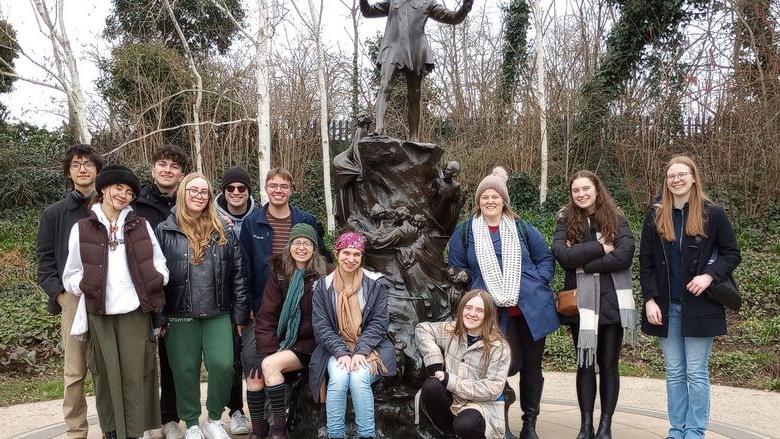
253	292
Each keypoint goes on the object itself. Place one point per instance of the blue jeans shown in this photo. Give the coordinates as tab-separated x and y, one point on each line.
358	383
687	379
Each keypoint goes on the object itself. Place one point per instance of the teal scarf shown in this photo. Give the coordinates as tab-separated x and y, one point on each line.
290	319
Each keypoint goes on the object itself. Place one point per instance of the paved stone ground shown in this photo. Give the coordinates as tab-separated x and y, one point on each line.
736	413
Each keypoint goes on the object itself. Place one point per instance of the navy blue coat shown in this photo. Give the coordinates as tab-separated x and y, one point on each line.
701	317
535	298
257	240
373	328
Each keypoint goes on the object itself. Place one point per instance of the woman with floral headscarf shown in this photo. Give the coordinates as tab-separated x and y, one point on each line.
350	319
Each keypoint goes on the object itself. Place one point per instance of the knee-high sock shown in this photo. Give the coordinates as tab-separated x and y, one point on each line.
276	398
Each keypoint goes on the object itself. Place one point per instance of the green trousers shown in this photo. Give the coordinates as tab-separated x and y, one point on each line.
123	362
189	340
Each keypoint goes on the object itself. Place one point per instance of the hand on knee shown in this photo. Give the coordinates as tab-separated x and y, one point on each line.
271	373
255	383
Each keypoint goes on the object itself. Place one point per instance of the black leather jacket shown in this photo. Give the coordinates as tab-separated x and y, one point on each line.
221	289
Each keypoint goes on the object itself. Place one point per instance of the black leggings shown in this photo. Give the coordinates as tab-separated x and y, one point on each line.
526	353
436	401
607	356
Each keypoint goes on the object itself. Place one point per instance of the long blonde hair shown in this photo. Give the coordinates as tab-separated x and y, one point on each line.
199	230
697	214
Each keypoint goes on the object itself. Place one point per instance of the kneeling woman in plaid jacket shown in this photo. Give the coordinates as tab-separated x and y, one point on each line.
467	361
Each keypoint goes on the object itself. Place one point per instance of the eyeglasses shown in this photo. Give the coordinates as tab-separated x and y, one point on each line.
305	243
677	176
117	189
274	186
233	188
195	193
88	165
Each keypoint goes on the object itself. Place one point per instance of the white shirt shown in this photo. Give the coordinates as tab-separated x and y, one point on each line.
121	296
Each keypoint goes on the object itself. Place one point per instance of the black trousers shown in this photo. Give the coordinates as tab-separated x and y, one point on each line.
167	389
610	341
526	352
236	401
436	401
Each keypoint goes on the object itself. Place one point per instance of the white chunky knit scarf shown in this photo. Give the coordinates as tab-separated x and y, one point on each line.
503	285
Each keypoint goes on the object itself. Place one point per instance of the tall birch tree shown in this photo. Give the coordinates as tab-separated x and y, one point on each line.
541	95
316	30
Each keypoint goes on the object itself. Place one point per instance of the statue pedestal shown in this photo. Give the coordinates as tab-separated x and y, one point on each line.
390	190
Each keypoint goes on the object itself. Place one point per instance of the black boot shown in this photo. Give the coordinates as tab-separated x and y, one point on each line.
530	399
605	427
509	399
586	426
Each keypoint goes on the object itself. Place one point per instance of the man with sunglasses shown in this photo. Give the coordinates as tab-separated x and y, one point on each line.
235	203
80	166
154	203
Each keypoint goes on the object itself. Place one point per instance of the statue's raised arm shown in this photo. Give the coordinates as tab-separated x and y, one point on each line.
405	49
444	15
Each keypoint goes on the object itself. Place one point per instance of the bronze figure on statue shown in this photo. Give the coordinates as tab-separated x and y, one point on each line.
405	49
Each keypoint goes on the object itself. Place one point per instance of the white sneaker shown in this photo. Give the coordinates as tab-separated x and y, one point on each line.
238	423
214	430
193	432
171	430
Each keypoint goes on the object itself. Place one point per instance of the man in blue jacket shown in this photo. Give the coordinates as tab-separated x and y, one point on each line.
264	233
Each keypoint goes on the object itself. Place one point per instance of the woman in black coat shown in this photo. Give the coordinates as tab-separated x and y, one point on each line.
595	246
687	245
204	298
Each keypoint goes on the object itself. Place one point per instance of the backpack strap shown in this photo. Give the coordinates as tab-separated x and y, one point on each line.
522	231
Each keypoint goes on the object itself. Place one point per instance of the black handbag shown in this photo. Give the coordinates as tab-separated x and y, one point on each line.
725	293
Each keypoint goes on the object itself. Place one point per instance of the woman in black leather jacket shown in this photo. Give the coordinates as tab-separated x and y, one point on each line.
207	287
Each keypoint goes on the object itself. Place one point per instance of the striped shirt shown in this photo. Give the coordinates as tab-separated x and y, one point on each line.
281	228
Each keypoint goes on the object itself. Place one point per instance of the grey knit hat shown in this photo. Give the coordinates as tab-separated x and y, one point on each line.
496	181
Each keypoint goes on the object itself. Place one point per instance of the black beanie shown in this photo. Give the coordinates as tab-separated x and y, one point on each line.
236	175
116	174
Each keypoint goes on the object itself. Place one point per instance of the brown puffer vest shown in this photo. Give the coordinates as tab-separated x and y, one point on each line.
93	245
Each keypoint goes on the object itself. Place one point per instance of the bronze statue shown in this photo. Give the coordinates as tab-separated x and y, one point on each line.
405	49
445	196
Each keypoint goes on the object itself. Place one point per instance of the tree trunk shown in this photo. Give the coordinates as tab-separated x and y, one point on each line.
263	98
316	22
198	86
542	99
67	68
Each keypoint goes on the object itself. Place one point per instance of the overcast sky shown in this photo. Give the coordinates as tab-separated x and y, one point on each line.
85	20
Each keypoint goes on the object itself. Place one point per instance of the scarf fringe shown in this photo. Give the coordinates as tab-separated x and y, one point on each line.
586	348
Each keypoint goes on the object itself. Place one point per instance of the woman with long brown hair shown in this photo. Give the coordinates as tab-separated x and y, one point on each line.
687	244
283	328
594	245
467	361
206	295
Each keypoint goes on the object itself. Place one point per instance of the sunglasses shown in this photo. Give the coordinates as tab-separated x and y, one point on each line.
233	188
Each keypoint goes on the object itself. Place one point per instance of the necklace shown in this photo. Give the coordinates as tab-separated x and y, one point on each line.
113	242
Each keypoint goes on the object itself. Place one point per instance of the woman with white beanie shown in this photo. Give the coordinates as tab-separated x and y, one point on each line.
511	260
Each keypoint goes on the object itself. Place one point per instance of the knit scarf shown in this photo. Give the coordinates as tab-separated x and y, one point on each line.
502	282
349	317
290	318
588	303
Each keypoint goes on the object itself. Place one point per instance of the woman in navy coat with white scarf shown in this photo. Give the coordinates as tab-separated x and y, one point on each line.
511	260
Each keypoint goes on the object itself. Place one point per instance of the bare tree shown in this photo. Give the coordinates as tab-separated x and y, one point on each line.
541	94
198	86
64	72
316	30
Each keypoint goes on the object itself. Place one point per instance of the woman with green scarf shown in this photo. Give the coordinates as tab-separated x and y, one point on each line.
283	329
